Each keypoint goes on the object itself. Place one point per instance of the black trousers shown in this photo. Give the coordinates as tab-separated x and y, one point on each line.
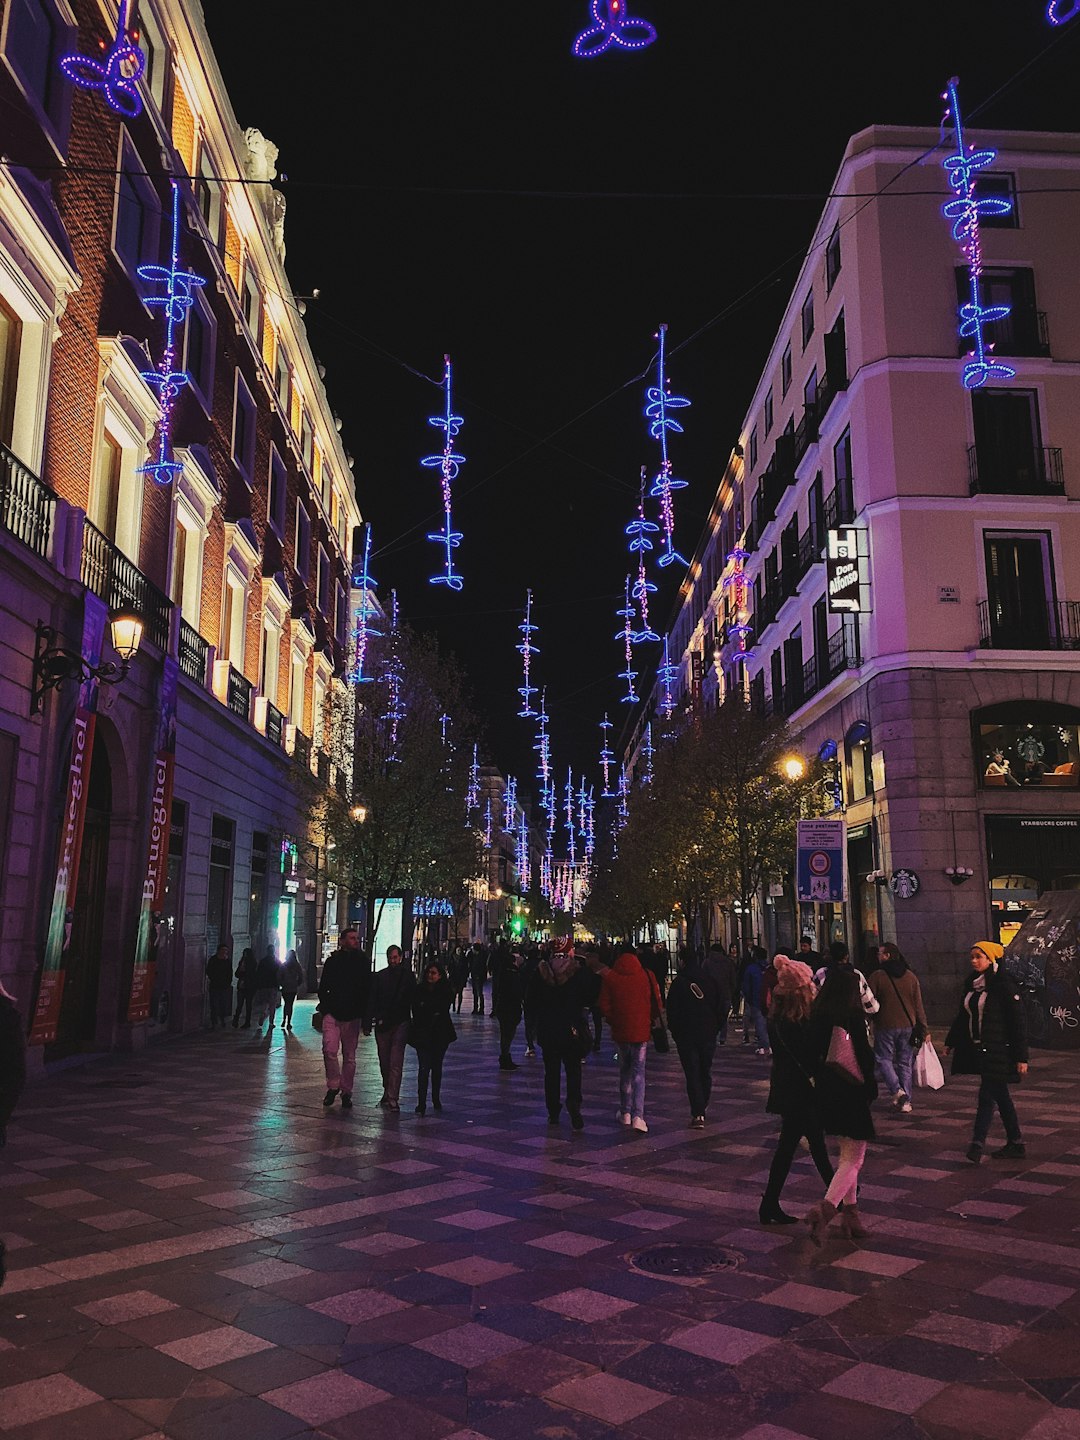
244	1001
558	1058
508	1025
287	1003
697	1067
792	1129
429	1065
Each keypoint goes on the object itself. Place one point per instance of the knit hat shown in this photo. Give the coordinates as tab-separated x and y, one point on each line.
562	965
791	975
562	945
990	948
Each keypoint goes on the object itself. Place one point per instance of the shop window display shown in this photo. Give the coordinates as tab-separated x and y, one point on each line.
1016	753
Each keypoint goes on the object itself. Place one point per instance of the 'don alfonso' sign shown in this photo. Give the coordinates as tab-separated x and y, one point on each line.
843	586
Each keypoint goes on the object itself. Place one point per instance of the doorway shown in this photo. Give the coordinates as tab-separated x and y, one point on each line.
77	1027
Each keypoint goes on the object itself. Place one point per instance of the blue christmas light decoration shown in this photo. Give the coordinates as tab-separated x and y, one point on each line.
964	212
449	465
1057	14
658	405
394	677
524	868
509	804
626	635
431	907
736	583
527	650
571	826
607	758
472	793
667	674
488	833
639	531
648	752
623	809
117	77
174	301
364	582
613	26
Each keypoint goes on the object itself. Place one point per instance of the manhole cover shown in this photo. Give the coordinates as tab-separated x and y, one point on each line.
684	1259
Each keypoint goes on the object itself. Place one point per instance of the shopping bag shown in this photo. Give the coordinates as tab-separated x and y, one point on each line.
928	1069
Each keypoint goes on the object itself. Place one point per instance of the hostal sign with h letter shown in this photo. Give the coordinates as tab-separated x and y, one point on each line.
843	585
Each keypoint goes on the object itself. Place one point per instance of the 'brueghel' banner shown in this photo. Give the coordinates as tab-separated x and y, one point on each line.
157	847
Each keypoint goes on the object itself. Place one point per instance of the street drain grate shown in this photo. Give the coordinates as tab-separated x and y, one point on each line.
684	1260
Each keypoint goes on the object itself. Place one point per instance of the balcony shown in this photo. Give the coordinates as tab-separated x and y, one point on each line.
275	725
1024	331
192	653
806	432
238	694
27	507
1055	626
839	508
1038	472
302	750
113	578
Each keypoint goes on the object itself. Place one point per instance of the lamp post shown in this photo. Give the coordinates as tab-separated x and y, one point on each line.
54	664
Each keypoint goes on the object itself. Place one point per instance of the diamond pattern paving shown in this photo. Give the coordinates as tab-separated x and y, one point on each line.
278	1269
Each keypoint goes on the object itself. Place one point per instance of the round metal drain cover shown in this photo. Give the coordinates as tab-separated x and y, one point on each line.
686	1260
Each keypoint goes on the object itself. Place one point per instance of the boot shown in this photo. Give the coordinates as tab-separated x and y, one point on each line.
818	1219
851	1223
770	1213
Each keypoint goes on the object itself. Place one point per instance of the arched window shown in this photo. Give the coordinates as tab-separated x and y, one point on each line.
860	774
1026	744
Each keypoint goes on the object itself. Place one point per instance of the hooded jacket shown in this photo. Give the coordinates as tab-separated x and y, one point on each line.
695	1008
629	1000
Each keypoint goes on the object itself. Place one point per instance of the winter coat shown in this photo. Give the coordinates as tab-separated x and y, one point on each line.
792	1087
12	1060
246	970
894	986
695	1010
753	976
558	1004
267	974
390	997
431	1028
508	984
219	972
478	967
629	1001
844	1107
721	968
866	995
345	985
291	974
989	1035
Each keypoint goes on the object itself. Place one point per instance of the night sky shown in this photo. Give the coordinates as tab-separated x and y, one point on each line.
458	181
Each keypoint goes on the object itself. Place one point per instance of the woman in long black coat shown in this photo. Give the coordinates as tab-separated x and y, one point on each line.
431	1031
989	1038
561	992
843	1103
793	1086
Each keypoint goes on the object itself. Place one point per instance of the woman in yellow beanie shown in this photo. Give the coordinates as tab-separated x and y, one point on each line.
988	1038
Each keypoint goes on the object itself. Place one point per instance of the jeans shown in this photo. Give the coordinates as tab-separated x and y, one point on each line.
845	1183
340	1035
220	1005
556	1059
508	1025
429	1065
478	997
530	1027
995	1093
792	1129
288	1000
697	1067
390	1044
895	1059
632	1079
266	1003
761	1025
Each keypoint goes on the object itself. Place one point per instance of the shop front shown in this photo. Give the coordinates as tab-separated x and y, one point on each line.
1028	855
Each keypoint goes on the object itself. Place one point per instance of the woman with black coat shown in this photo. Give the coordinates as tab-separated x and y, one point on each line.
695	1012
246	970
431	1032
561	992
989	1038
843	1098
792	1089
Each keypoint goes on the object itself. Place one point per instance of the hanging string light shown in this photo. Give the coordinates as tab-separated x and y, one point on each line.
174	301
394	676
964	212
365	583
658	404
607	758
648	752
639	531
472	793
623	811
524	874
1057	13
509	804
667	674
612	26
487	824
449	465
571	827
737	584
118	76
527	650
626	635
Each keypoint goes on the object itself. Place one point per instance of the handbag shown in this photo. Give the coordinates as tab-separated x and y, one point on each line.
581	1040
918	1029
841	1058
660	1038
317	1019
927	1069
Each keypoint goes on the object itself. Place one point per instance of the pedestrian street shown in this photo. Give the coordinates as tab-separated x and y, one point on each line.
198	1250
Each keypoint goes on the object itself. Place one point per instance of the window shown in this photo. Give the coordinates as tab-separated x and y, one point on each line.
219	886
233	621
249	301
208	195
10	343
243	440
105	496
322	583
137	226
785	369
776	666
1023	744
296	690
307	441
832	259
860	776
753	448
276	495
318	711
200	339
1020	610
341	610
270	660
327	482
808	319
1023	330
152	44
35	39
1008	456
836	355
809	393
303	541
185	588
281	378
998	184
768	411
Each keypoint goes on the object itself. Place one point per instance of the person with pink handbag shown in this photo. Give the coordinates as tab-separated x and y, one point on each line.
844	1088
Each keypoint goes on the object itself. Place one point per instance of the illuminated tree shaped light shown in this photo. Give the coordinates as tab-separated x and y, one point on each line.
667	674
613	26
1057	14
449	465
527	650
590	825
648	751
472	793
623	812
964	212
523	867
639	531
117	75
394	676
607	758
626	635
659	404
487	824
571	824
174	301
365	583
737	585
509	804
545	873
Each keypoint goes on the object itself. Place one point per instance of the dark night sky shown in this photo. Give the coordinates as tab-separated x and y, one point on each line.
406	128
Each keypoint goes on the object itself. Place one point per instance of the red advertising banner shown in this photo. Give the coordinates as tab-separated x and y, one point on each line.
157	848
50	995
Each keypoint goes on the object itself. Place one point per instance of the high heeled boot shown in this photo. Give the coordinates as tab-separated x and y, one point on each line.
818	1219
851	1223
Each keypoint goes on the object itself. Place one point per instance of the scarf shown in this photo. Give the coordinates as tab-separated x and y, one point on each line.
975	1005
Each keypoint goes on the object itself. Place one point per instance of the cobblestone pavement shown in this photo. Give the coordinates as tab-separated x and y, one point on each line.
198	1250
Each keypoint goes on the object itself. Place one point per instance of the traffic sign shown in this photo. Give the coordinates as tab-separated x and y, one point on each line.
821	861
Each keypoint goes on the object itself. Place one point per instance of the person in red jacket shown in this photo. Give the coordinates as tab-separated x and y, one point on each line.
630	1003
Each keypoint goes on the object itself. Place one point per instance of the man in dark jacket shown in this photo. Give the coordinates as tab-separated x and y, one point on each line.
507	1000
561	990
389	1007
477	975
343	998
219	984
720	966
695	1012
